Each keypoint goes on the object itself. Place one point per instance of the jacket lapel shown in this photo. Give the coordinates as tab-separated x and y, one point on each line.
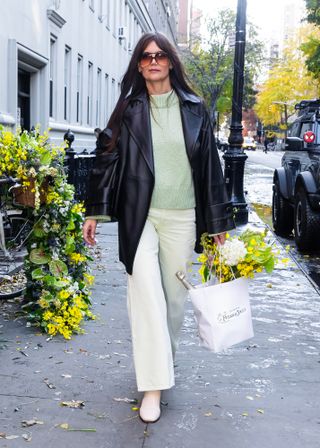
191	123
137	119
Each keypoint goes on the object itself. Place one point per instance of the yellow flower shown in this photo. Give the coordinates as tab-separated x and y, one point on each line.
7	138
78	208
202	258
43	303
77	258
89	279
47	315
63	294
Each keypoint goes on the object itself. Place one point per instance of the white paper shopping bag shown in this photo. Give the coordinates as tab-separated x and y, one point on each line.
223	314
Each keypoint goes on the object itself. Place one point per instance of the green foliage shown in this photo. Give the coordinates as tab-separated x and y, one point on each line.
313	11
210	64
311	48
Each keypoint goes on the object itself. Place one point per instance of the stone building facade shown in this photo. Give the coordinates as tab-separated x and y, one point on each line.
63	60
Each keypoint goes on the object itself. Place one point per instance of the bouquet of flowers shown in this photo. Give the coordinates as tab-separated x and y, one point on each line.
57	296
222	306
240	256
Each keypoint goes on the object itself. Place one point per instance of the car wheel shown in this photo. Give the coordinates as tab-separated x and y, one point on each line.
282	213
306	223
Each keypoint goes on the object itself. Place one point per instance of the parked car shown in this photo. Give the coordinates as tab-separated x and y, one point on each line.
222	143
249	143
296	185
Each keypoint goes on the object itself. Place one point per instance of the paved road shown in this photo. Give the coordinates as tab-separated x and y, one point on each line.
270	160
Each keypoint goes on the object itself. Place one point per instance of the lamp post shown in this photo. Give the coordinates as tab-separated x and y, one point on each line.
282	103
234	157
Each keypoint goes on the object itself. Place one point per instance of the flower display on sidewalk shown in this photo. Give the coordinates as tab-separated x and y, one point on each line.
57	297
240	256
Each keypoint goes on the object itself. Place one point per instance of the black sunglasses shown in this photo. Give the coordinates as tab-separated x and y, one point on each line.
160	57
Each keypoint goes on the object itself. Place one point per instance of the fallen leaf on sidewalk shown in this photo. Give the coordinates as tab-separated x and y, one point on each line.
50	385
34	421
66	375
83	350
73	404
208	414
261	411
134	408
67	427
269	285
126	400
27	437
245	414
68	351
248	397
11	437
2	435
121	354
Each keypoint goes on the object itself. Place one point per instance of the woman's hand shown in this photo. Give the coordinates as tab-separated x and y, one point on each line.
220	238
89	231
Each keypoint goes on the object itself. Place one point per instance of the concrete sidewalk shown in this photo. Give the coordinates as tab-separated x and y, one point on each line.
263	393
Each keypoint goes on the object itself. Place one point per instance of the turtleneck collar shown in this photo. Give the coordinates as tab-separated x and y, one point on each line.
164	100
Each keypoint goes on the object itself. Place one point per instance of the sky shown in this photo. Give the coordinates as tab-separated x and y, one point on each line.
266	14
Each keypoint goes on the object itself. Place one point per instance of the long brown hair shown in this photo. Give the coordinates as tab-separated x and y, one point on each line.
133	83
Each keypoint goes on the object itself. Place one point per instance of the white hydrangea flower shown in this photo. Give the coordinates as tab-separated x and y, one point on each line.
232	252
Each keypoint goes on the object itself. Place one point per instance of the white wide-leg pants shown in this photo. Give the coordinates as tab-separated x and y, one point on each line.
156	297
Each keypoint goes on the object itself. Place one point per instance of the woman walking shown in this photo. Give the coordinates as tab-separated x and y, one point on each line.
169	189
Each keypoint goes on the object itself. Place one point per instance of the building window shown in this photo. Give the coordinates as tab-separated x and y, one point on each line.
114	20
79	87
67	83
52	71
100	12
89	93
106	97
108	13
98	98
113	93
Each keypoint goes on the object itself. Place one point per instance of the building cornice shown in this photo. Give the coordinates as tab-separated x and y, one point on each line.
141	12
55	18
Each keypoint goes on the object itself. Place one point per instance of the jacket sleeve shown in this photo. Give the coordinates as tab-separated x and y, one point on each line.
102	181
217	206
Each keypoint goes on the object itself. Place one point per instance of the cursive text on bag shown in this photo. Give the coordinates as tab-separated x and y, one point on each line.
226	316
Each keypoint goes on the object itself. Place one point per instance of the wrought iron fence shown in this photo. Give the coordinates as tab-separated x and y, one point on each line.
78	167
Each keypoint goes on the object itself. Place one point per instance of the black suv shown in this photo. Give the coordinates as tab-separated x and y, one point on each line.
296	185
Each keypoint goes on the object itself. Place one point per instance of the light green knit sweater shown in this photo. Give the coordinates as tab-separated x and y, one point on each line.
173	177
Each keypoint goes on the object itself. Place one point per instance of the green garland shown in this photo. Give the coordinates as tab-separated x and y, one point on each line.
57	297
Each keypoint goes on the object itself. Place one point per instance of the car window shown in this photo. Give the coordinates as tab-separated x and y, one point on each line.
295	130
305	127
317	130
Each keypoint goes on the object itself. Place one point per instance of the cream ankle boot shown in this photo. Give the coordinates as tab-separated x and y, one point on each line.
150	411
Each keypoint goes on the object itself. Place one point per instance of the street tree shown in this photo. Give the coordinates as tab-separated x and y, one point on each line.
209	63
288	82
311	48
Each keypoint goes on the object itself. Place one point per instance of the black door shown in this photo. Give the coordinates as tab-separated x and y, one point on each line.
24	98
